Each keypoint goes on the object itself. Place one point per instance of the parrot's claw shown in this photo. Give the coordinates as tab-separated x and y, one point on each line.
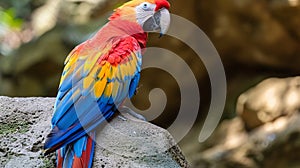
125	110
122	117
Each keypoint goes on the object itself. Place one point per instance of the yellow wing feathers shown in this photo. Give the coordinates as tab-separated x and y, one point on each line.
99	76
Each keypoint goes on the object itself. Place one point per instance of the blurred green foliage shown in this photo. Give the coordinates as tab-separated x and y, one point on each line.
8	19
22	8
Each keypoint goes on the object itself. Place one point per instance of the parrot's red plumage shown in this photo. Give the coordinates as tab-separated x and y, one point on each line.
99	75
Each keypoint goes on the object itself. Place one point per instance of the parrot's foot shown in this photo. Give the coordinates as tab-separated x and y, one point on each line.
124	110
122	117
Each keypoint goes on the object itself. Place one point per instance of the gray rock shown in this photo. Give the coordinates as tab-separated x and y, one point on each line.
25	122
269	100
274	142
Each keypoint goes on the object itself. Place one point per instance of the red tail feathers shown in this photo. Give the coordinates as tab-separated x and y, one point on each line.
86	159
80	156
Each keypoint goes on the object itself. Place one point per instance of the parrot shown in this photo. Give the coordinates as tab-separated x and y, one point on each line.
98	76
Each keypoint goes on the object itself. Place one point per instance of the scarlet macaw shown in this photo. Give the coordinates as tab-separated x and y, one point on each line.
98	76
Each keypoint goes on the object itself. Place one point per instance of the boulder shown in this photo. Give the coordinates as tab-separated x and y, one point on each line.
251	139
274	144
269	100
122	142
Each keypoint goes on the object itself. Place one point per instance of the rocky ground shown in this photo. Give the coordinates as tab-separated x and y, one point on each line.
25	122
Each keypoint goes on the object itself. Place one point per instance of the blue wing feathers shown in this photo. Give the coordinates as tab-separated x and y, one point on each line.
80	146
78	111
84	124
133	85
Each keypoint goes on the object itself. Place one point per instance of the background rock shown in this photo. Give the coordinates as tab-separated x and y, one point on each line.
269	100
25	122
272	143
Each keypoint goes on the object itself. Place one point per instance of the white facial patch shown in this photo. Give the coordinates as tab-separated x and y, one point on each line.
144	11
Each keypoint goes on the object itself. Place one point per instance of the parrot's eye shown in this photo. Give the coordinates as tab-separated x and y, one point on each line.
145	5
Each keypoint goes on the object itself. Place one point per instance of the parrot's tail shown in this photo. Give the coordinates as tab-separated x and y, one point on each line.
78	154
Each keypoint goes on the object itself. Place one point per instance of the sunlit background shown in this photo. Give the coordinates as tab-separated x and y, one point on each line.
256	39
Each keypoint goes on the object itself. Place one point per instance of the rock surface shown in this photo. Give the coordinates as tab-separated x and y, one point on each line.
269	100
275	144
24	124
272	143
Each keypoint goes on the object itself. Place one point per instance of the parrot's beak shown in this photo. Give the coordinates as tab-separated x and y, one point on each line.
164	21
158	22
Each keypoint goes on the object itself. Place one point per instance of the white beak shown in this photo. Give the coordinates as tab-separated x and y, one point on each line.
158	22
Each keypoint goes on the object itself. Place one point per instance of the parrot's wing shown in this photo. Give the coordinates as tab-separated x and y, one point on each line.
92	86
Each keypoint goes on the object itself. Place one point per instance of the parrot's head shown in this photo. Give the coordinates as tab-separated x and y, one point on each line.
151	15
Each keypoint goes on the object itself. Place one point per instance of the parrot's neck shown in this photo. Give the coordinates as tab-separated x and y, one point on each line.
115	29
